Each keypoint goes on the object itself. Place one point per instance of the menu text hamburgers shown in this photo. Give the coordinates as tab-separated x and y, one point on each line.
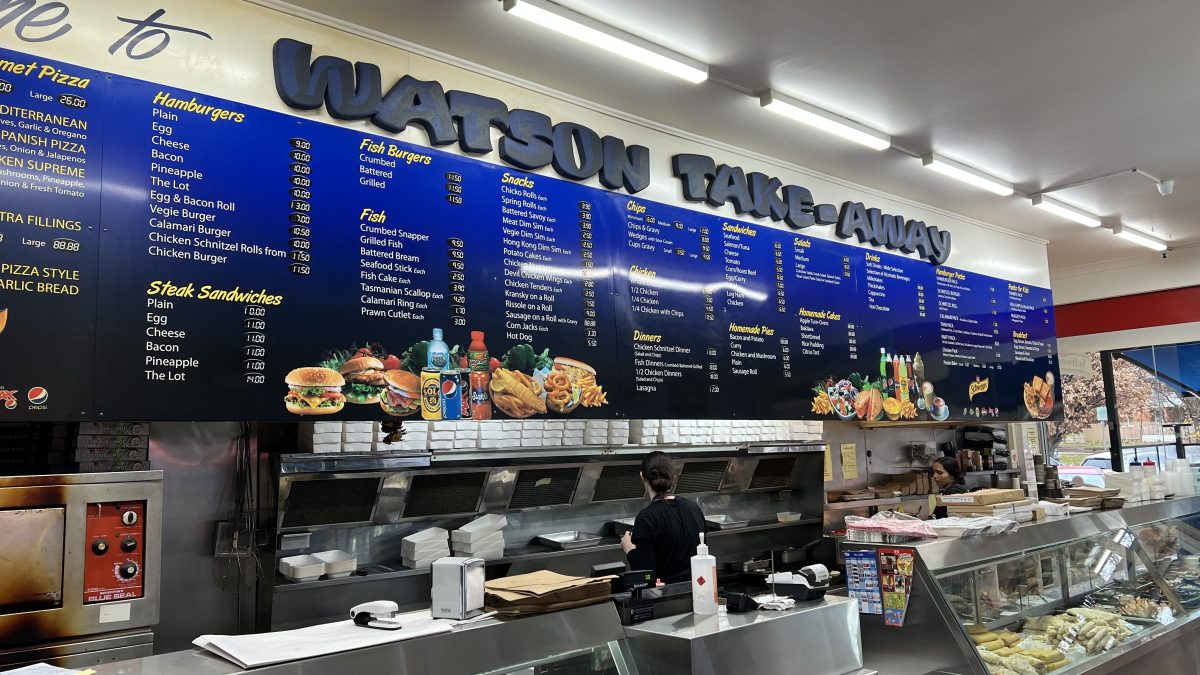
314	391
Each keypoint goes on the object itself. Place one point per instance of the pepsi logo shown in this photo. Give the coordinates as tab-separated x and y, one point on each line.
37	395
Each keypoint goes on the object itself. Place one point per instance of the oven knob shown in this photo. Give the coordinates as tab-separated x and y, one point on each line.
128	544
100	547
129	517
128	570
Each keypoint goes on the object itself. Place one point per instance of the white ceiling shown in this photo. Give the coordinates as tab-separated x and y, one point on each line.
1038	93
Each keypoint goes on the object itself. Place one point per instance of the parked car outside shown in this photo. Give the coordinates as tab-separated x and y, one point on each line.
1079	476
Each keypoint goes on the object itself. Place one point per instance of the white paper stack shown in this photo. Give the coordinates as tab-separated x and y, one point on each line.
480	538
668	431
466	434
595	432
574	431
618	432
643	432
416	438
421	549
320	437
493	434
554	432
358	437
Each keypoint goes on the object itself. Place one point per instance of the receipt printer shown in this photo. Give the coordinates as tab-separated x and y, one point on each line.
457	588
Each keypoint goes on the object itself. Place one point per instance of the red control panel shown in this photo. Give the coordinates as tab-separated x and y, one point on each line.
116	537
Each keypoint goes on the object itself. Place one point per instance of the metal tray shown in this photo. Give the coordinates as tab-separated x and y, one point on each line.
725	522
568	540
622	525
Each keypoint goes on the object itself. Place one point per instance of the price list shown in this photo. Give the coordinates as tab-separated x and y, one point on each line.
587	247
969	320
822	279
671	281
50	169
1031	323
299	202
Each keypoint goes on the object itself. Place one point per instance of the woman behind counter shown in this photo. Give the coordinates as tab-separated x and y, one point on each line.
949	479
666	532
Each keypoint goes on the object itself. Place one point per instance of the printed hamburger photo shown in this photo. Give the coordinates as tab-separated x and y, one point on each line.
314	391
402	397
364	379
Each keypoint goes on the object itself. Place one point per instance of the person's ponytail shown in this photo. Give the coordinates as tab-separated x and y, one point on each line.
658	472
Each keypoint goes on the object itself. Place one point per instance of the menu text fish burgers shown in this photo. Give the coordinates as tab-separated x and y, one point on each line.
364	379
314	391
403	394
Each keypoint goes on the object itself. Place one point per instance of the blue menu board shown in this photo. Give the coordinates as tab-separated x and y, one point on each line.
51	132
261	243
204	250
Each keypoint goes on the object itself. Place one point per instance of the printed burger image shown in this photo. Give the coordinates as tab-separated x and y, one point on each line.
403	394
314	391
364	379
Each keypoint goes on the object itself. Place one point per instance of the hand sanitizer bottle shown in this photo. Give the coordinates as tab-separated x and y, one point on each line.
704	580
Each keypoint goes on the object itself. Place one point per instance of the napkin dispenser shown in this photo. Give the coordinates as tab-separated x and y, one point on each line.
457	588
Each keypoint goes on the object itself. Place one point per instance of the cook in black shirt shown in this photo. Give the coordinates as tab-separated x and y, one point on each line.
666	532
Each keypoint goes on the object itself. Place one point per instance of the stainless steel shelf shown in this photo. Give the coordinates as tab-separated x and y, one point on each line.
523	553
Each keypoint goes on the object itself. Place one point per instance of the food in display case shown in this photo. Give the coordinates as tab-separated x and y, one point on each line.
1122	584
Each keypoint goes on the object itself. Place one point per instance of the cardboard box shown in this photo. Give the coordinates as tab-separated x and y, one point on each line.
114	428
983	497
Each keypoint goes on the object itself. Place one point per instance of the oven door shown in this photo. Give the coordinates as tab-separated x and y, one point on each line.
32	559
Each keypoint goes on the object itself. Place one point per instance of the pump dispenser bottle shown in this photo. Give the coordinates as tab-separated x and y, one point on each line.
704	580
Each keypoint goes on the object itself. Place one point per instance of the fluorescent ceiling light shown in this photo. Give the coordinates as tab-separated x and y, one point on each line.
1065	211
1139	239
597	34
824	120
964	173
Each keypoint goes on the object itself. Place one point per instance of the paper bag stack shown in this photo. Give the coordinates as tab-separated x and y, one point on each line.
539	592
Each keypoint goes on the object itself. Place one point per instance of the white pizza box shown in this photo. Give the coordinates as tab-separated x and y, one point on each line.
357	448
512	426
357	437
533	425
487	553
492	443
575	424
358	427
441	435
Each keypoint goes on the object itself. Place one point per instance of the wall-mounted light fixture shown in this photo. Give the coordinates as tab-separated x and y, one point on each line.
598	34
966	174
1138	238
824	120
1065	210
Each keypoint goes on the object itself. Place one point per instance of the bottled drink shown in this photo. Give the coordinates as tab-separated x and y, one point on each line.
439	352
918	368
883	364
481	404
895	383
902	385
477	352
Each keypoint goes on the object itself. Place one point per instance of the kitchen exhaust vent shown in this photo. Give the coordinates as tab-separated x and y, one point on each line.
701	476
311	503
772	474
444	494
544	487
619	481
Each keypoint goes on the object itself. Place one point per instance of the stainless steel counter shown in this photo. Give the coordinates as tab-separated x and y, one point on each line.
480	647
820	637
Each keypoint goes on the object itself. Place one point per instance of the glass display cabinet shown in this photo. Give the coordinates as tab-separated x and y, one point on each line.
1090	593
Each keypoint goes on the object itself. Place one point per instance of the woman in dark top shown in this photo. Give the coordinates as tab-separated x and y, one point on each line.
949	479
666	532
